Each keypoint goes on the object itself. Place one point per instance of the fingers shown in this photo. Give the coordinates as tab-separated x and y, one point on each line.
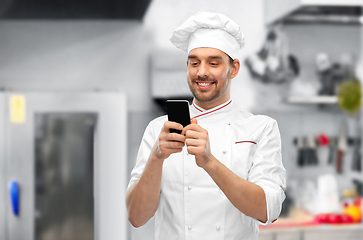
193	135
192	126
196	141
193	130
196	133
171	140
199	147
196	138
167	142
196	150
172	125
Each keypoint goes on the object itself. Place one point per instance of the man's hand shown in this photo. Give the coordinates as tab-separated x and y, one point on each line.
197	141
247	197
168	143
142	199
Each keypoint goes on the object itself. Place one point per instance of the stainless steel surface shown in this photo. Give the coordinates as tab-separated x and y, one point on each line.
3	190
64	176
109	166
19	166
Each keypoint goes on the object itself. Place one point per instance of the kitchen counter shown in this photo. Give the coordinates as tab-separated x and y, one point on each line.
300	225
316	232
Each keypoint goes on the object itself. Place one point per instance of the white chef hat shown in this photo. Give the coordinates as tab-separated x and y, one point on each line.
206	29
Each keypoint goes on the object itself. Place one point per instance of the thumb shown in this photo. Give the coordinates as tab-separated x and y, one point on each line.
194	120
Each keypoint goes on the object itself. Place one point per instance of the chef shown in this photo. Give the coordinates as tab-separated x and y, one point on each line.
223	175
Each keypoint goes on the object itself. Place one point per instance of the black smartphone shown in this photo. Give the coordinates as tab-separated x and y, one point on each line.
178	111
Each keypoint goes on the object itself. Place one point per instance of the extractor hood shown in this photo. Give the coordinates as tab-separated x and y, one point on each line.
326	14
329	11
73	9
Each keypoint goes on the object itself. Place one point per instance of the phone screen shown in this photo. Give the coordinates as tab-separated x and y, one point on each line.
178	111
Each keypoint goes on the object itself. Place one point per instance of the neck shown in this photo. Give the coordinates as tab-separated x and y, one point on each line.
210	105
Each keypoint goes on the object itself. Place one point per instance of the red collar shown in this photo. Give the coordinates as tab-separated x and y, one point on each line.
197	107
214	110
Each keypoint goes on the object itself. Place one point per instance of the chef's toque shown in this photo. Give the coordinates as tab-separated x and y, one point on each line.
213	30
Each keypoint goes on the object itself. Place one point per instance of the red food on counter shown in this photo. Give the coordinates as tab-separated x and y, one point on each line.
330	218
322	218
334	218
347	219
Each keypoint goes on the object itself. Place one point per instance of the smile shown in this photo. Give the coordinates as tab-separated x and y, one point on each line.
204	85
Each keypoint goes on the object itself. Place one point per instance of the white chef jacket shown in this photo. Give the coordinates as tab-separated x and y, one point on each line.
191	206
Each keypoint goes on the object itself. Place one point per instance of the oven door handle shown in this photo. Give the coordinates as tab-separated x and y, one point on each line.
14	191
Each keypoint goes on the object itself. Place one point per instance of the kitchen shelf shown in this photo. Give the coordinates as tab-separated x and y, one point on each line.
333	2
305	18
313	11
313	100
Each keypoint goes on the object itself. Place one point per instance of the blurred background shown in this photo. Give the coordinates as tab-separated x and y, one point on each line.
80	80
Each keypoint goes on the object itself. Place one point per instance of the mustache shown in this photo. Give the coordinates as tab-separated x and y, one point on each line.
203	79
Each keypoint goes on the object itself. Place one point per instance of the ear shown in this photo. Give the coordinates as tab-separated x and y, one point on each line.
235	68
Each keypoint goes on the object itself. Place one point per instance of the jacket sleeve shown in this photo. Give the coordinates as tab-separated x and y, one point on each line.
146	145
268	172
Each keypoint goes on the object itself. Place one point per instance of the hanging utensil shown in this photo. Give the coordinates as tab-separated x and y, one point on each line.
357	162
313	157
300	153
342	147
273	63
357	156
332	150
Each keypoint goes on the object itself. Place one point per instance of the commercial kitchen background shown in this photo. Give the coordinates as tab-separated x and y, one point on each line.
135	57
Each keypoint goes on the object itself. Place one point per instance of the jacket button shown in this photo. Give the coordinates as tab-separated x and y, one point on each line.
218	228
189	188
190	227
224	152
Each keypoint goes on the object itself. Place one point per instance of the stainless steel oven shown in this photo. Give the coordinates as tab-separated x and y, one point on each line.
63	169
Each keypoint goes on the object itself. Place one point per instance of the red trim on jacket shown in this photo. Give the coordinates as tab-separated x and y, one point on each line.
246	142
197	108
214	109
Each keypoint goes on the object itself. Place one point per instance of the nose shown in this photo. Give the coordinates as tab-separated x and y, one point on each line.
203	70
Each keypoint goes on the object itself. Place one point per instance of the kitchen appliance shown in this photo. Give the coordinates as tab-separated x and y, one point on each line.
63	170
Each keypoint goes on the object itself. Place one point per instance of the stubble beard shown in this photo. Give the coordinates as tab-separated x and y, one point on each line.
215	95
199	96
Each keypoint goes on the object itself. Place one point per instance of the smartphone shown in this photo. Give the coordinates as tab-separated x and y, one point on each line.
178	111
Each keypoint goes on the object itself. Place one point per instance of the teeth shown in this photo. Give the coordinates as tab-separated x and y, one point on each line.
204	84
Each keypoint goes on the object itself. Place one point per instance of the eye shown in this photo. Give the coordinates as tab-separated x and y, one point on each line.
214	64
194	64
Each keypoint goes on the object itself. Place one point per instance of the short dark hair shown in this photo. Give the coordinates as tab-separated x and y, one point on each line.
231	61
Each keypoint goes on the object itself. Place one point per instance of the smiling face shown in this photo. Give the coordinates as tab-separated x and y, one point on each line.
209	76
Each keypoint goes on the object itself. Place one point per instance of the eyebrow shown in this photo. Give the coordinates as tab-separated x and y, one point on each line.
210	57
